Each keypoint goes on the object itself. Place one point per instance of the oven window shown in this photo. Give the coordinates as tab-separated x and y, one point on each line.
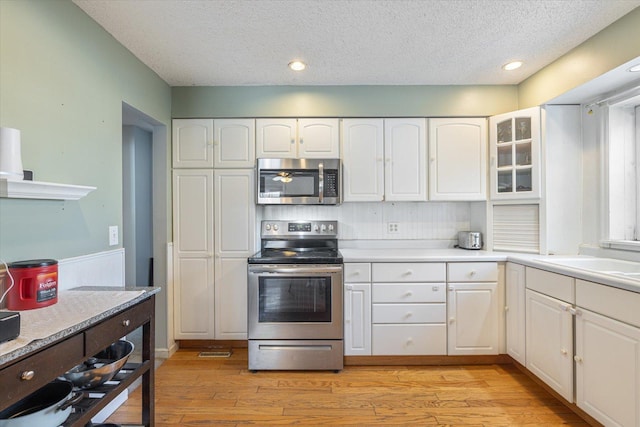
299	299
288	183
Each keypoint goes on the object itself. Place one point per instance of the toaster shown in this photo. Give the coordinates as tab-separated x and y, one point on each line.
470	240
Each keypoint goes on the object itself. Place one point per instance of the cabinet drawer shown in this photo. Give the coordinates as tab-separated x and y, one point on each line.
357	272
45	366
409	292
616	303
408	313
114	328
473	271
409	339
409	272
552	284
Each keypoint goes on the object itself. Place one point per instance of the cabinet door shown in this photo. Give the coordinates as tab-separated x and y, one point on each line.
473	318
318	138
193	253
515	312
549	342
276	138
608	369
405	150
457	159
234	143
514	140
234	212
192	141
231	299
357	319
362	160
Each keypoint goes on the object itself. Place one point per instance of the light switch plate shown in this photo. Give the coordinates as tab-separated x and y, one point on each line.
113	235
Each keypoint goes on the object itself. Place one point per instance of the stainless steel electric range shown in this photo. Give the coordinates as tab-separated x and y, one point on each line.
295	297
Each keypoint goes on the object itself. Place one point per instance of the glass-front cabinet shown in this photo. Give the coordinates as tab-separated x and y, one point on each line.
514	144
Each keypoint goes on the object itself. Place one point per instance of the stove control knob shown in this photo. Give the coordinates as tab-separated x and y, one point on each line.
330	227
267	227
275	227
316	228
323	228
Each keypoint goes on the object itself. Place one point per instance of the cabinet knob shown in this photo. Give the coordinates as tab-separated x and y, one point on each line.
301	141
27	375
349	287
409	340
409	314
126	322
564	352
452	319
577	358
293	141
506	308
408	272
409	293
472	273
435	288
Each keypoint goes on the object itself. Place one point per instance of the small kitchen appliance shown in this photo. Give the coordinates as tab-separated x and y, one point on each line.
295	297
35	284
10	155
470	240
9	326
299	182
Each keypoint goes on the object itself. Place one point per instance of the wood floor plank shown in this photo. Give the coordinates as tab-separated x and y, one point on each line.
196	391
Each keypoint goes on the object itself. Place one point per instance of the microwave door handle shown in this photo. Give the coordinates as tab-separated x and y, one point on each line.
320	182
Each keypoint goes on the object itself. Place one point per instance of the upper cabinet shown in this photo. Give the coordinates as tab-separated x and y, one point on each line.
192	143
384	159
515	159
208	143
297	138
458	159
234	143
363	160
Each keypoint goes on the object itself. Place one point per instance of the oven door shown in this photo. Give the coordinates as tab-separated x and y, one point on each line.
295	302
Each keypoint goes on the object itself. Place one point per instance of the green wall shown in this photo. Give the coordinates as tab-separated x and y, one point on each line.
615	45
342	101
63	80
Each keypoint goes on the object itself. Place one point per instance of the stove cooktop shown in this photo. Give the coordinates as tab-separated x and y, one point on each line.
293	256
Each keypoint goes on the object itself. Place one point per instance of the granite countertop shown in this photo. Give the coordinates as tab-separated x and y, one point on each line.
76	309
462	255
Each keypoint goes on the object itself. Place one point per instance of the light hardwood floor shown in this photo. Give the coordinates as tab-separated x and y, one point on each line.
193	391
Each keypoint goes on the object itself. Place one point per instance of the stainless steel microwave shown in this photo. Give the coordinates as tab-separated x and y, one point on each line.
299	181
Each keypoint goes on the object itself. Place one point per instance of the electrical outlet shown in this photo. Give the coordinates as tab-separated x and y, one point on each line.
393	227
113	235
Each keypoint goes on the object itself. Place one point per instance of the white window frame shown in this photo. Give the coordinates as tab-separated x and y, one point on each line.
622	158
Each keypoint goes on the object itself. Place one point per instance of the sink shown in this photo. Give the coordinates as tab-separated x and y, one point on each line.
601	265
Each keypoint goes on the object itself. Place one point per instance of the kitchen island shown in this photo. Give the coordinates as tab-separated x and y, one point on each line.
83	322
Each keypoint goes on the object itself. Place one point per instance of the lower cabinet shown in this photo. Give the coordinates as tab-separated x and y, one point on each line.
357	319
515	318
231	298
550	342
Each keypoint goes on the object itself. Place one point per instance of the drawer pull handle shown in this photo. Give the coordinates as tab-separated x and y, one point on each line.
409	314
126	322
408	272
472	273
27	375
409	293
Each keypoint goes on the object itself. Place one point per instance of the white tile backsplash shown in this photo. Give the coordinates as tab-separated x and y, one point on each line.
369	221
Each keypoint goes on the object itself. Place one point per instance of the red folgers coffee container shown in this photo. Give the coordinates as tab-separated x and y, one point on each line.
35	284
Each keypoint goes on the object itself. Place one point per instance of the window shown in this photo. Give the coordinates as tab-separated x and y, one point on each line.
623	185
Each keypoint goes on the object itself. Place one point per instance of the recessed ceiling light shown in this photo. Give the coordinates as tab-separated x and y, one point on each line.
512	65
634	69
297	65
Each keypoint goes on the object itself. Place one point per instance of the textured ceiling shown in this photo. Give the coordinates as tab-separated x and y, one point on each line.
350	42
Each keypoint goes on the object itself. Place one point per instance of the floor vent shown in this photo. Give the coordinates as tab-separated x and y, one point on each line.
216	353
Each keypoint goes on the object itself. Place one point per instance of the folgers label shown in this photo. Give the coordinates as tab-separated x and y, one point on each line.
35	284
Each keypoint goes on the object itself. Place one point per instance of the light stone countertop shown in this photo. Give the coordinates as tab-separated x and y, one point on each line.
43	326
461	255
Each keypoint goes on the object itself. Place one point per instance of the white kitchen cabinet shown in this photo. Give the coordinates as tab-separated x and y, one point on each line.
458	159
514	141
193	247
405	155
473	309
357	309
608	353
549	341
515	312
234	143
234	242
298	138
363	160
408	305
192	143
384	159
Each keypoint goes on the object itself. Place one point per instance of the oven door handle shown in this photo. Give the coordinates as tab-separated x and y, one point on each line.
294	270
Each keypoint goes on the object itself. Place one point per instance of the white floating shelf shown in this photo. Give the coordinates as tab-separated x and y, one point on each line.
42	190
